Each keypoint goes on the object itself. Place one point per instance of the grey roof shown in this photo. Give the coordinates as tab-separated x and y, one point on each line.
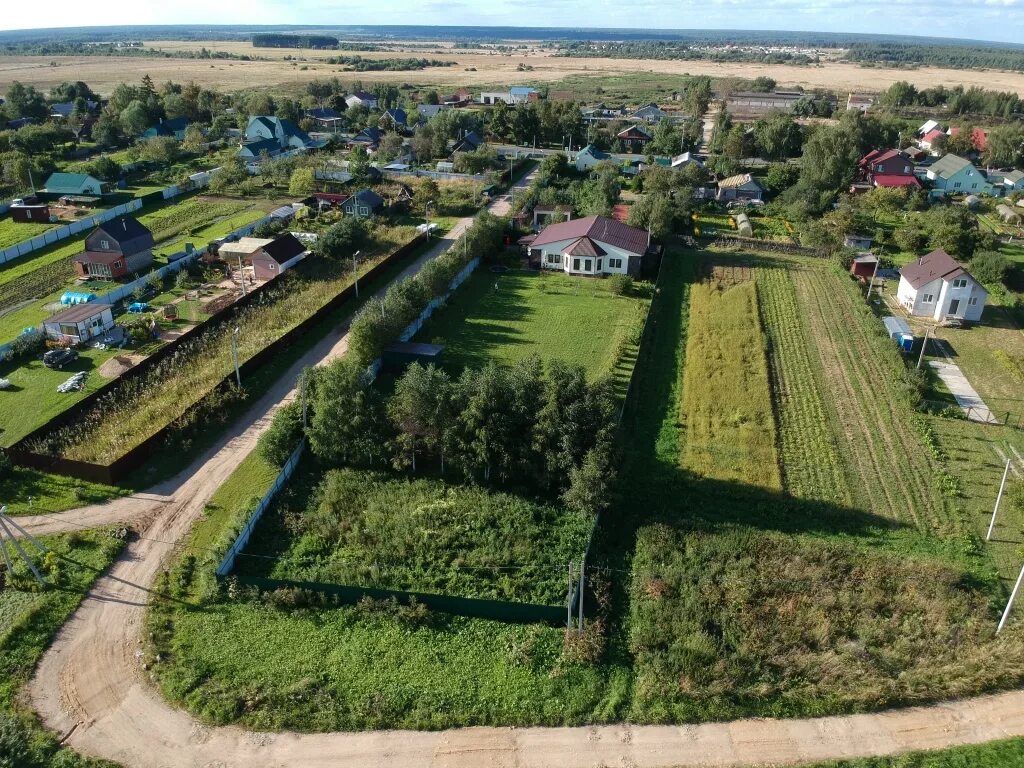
283	248
948	166
79	312
256	147
398	115
124	228
368	198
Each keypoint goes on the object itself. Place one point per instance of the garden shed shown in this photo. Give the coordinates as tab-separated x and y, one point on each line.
743	225
401	355
864	265
80	323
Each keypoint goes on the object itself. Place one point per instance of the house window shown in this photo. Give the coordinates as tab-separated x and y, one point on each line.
928	298
576	265
586	265
599	265
364	211
553	258
956	185
104	244
614	263
117	265
973	301
960	283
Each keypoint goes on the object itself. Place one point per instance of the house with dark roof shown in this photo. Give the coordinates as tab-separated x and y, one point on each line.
264	129
468	143
65	109
427	111
954	175
363	203
592	246
393	120
888	168
116	248
326	118
937	286
634	138
174	129
649	113
277	256
80	323
368	137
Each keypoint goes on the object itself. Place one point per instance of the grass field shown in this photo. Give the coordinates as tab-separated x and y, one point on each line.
13	232
48	493
33	398
27	622
726	404
509	316
375	530
997	754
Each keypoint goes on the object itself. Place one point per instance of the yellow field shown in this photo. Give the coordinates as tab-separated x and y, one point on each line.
472	68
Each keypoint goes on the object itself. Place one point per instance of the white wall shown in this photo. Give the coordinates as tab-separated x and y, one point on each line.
561	245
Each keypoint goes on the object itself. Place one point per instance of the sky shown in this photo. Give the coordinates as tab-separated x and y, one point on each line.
1000	20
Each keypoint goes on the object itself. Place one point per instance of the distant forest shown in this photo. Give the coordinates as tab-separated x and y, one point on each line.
661	49
958	56
127	48
293	41
359	64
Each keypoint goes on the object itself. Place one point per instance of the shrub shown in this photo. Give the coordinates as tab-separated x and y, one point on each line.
990	267
279	441
621	285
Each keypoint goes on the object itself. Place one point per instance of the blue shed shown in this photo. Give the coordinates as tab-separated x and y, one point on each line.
899	332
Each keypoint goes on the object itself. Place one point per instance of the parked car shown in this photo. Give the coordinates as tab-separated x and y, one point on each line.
58	358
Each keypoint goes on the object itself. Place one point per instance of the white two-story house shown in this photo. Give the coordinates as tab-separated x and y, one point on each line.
592	246
937	286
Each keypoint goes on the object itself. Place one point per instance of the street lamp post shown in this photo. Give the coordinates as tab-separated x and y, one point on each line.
355	272
234	354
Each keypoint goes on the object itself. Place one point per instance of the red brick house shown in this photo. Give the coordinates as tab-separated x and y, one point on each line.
118	248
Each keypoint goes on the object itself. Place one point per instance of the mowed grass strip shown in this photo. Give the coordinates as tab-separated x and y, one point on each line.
873	422
811	464
726	406
506	317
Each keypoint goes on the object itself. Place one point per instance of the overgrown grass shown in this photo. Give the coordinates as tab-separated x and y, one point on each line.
506	317
27	622
31	492
375	530
726	405
13	232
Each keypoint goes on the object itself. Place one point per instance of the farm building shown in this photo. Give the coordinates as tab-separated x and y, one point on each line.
277	256
1007	214
468	143
864	265
80	323
595	245
74	184
888	168
393	119
361	99
743	186
271	134
951	175
330	199
938	287
325	117
174	129
114	249
743	225
649	113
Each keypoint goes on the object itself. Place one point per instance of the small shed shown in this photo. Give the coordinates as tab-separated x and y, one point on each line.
401	355
743	225
860	242
30	211
899	332
80	323
1007	214
864	265
277	256
242	248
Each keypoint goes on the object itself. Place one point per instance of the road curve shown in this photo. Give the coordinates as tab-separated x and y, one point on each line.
90	686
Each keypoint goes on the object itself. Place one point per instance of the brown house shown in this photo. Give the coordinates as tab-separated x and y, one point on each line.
634	138
277	256
115	249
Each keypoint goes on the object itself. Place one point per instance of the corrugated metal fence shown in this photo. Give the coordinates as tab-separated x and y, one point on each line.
55	235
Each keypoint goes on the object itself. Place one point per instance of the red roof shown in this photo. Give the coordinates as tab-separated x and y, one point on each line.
634	132
979	137
332	197
932	135
620	212
871	156
895	180
937	264
600	229
98	257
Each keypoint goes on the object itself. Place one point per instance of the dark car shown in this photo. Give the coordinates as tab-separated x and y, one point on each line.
58	358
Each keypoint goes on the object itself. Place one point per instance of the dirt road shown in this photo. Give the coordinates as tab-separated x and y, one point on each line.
90	686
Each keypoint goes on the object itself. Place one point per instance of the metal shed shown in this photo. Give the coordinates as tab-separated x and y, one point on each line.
899	332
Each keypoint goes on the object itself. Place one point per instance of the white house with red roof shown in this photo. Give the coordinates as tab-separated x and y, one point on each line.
593	246
937	286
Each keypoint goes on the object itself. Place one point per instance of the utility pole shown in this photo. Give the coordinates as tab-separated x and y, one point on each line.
234	354
302	396
999	497
241	274
6	532
871	285
568	600
583	568
1009	603
924	345
355	272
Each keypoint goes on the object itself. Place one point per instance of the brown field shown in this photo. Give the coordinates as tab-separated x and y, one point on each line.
103	73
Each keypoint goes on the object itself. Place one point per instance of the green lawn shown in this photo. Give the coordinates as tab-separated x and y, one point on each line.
33	398
29	491
13	232
506	317
996	754
27	622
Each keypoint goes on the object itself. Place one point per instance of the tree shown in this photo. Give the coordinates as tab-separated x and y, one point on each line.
431	97
782	176
763	84
391	146
134	119
194	139
343	239
1005	146
427	191
284	433
954	230
654	213
160	149
302	182
105	169
667	138
698	96
420	411
347	420
359	163
106	131
777	136
990	267
830	158
899	94
24	101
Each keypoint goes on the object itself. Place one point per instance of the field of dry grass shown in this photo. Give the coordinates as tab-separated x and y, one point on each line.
472	68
